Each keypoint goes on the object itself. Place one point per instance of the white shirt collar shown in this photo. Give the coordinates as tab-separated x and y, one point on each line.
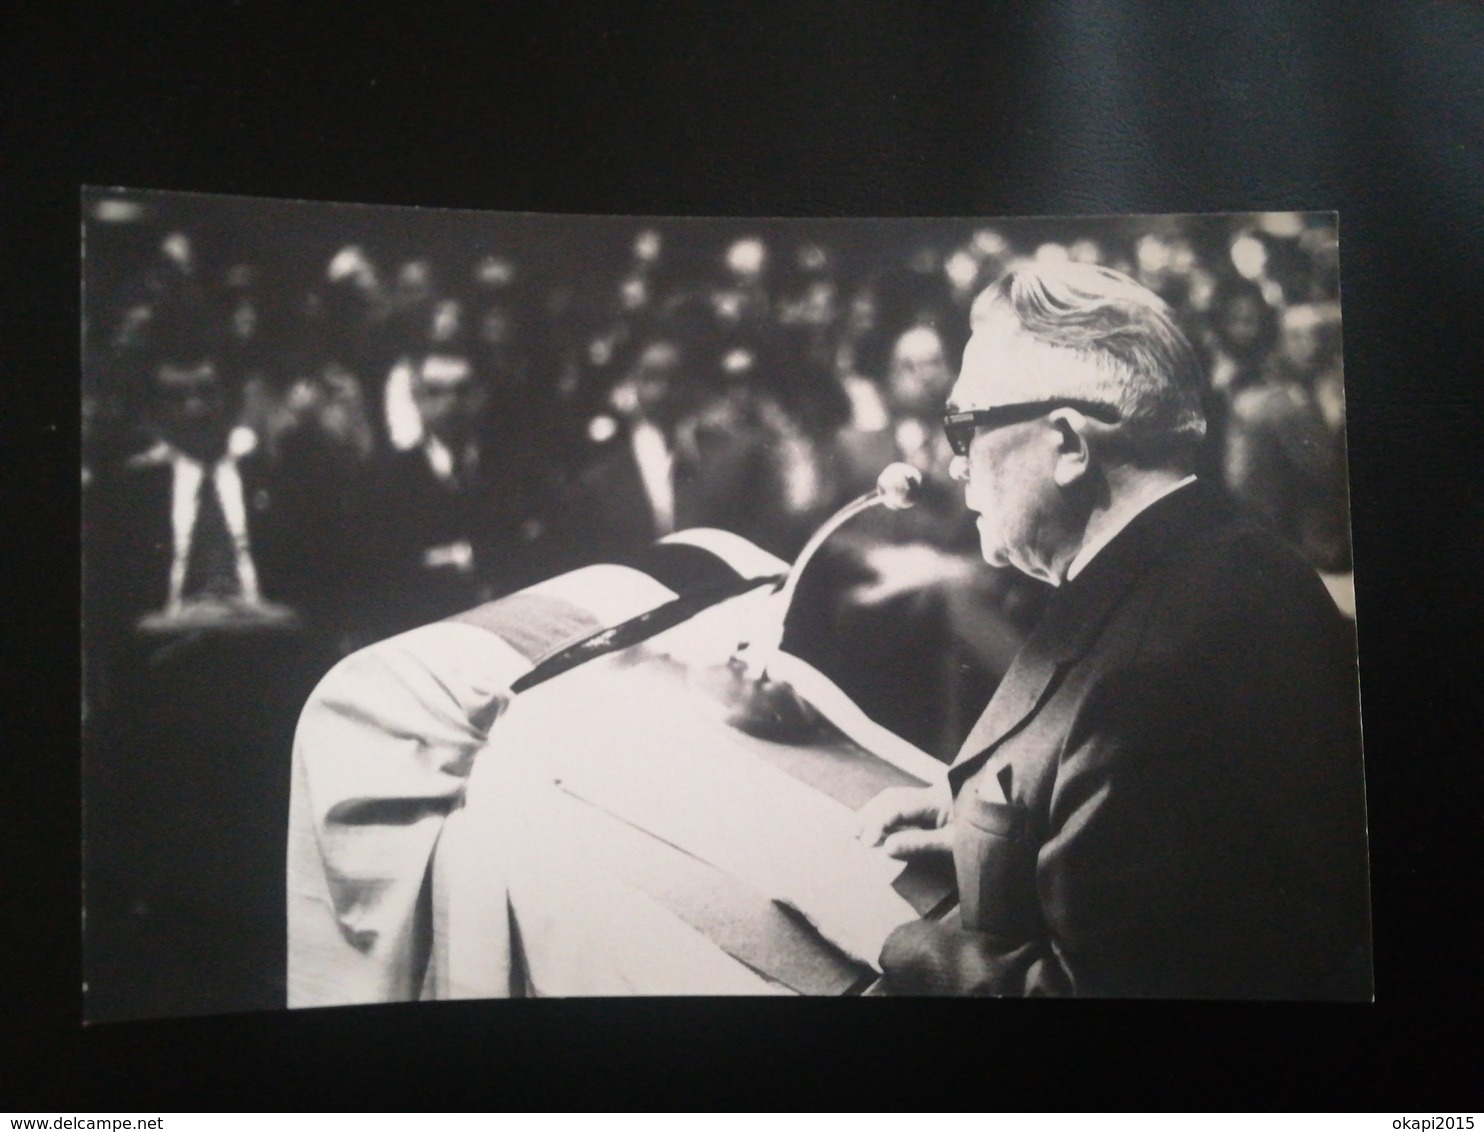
1091	548
656	466
440	459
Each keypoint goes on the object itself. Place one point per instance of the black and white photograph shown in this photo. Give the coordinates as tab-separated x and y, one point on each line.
484	605
646	557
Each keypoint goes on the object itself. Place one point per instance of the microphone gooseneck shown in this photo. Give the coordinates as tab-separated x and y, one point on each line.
897	488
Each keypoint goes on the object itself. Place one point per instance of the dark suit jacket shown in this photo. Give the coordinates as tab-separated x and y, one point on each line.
732	483
409	511
1164	797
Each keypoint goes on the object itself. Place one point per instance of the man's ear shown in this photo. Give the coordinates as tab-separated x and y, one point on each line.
1073	454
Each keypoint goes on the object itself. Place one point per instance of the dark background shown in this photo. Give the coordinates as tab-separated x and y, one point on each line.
1375	110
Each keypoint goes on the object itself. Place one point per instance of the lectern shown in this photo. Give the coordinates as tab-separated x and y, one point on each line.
562	793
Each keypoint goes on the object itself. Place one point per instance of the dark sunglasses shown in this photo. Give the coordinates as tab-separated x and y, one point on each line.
961	427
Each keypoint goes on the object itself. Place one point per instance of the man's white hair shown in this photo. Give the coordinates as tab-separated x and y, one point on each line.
1137	360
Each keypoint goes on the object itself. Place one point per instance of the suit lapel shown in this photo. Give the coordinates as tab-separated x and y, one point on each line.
1030	679
1076	615
627	498
615	493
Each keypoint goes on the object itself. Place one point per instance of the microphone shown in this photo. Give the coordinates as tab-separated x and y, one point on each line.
898	487
770	709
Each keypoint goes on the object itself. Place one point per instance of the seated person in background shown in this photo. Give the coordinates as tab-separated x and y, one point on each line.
1239	339
674	460
752	369
185	528
450	522
1285	447
203	599
319	427
1164	797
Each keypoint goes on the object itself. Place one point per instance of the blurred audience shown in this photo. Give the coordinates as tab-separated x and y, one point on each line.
454	424
1285	443
677	449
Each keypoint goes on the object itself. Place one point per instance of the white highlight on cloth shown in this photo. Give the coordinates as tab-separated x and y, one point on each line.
656	469
404	424
710	637
440	459
458	555
868	411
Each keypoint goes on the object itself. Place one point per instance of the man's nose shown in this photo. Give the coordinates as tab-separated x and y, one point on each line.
958	469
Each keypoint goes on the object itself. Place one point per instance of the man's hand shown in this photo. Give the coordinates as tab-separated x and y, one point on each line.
907	822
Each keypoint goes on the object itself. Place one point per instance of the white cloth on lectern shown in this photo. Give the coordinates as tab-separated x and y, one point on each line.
382	751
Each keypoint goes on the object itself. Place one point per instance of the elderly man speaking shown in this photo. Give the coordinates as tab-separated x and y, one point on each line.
1164	797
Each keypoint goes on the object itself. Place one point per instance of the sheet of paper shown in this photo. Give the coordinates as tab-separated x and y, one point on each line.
579	924
734	916
663	761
